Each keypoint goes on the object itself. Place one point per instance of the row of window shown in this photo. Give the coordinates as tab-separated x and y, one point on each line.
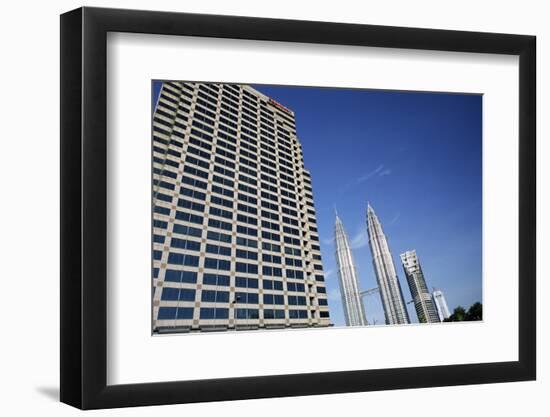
213	313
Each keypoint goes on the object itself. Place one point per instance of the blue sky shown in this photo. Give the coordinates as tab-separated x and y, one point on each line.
416	157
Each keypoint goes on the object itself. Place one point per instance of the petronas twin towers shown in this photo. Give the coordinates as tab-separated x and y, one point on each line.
386	275
391	295
354	310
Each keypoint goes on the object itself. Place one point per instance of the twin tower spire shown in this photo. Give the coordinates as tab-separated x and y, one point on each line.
391	295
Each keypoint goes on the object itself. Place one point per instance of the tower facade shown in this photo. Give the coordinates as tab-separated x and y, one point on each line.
423	303
235	240
441	305
352	301
393	303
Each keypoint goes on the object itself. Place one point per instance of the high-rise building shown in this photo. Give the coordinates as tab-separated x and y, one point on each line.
235	241
441	305
423	304
352	301
393	303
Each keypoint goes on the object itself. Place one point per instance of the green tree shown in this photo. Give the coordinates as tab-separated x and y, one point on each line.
475	312
459	314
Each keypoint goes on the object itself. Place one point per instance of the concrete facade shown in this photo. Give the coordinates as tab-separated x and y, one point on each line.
235	242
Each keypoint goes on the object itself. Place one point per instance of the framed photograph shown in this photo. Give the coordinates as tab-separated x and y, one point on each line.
258	208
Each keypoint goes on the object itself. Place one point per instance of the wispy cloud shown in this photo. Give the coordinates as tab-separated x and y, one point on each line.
334	295
328	273
327	241
380	171
370	174
394	219
360	239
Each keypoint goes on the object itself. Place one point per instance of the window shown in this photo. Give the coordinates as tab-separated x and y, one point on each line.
298	314
272	271
177	294
246	298
219	224
296	300
293	251
192	193
247	209
271	247
193	182
167	313
191	205
214	313
197	151
271	258
270	236
223	181
185	244
218	250
158	239
218	237
251	243
247	199
192	160
221	201
270	225
274	314
183	259
294	274
188	217
247	219
164	197
215	279
187	230
268	284
247	230
247	268
180	276
243	282
245	254
220	264
195	171
297	287
277	299
246	313
221	212
293	262
212	296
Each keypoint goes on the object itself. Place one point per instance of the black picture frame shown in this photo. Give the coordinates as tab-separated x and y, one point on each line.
84	207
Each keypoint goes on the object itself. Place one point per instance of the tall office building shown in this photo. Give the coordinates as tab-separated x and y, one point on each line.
441	305
394	306
352	301
235	241
423	304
